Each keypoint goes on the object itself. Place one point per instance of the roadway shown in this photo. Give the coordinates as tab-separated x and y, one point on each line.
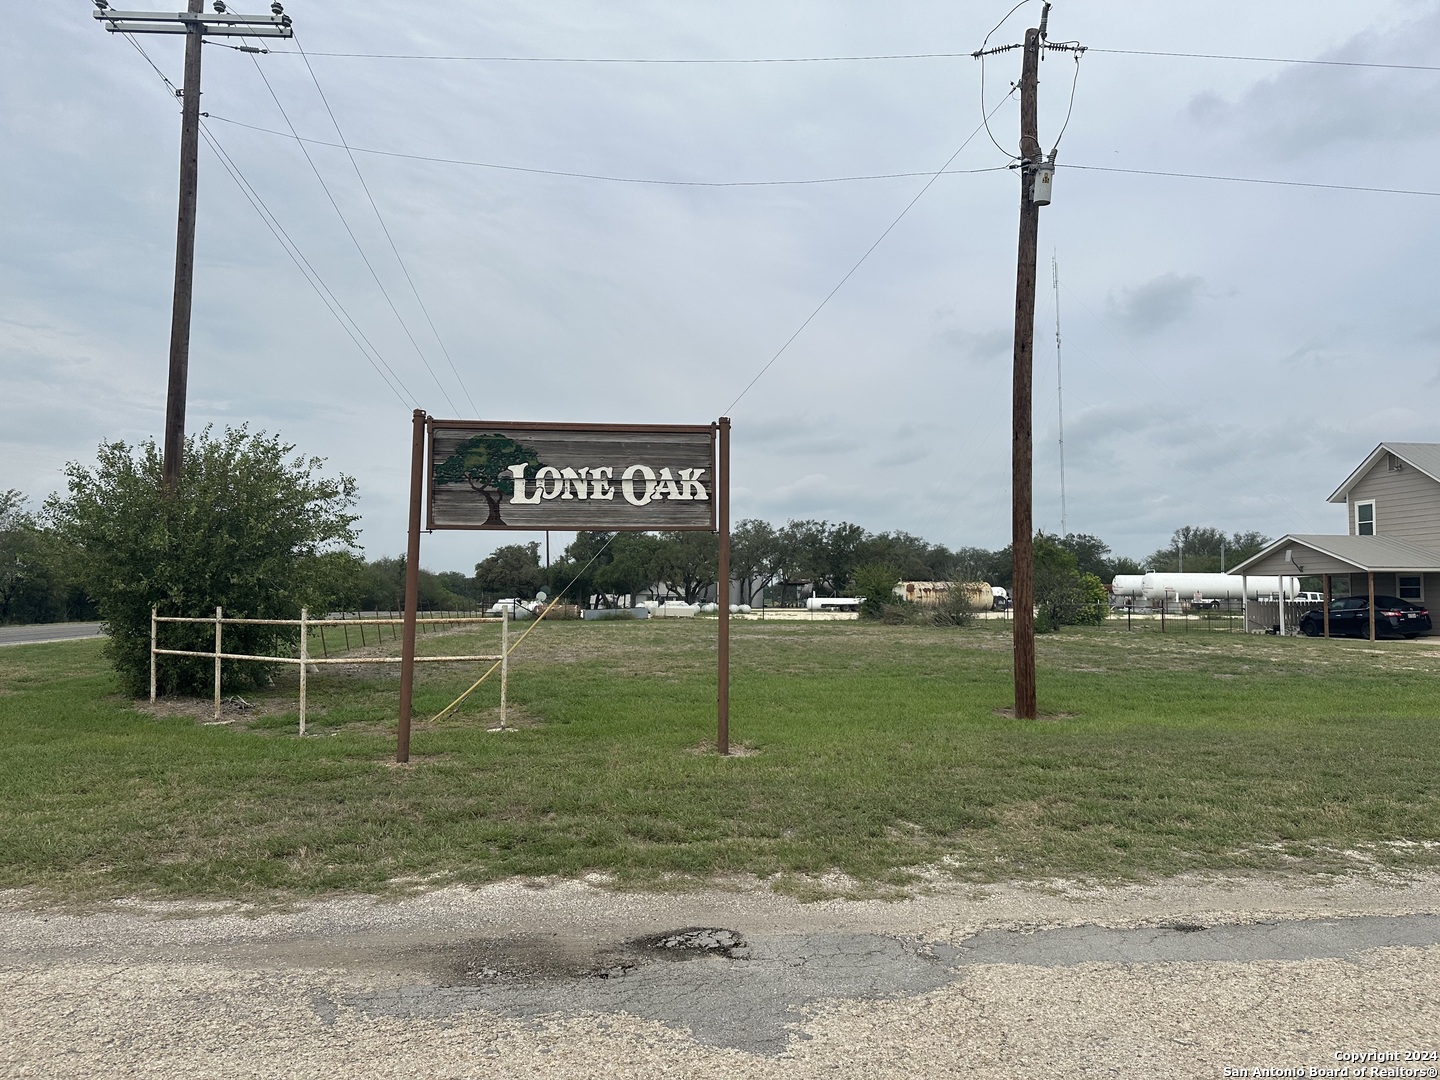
42	633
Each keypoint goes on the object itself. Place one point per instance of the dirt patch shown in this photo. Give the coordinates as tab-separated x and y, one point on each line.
707	748
1044	717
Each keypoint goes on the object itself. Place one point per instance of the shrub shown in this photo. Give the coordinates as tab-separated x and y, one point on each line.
249	528
956	607
875	586
1063	595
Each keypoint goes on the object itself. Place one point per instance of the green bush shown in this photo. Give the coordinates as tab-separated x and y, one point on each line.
251	528
1063	595
875	586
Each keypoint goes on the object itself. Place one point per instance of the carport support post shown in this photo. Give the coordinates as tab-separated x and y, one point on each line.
412	588
722	696
1245	603
1371	575
1280	603
1325	609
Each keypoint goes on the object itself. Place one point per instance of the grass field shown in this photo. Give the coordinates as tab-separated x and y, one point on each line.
876	752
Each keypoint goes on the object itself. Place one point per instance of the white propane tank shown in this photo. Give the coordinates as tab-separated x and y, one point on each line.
1158	586
1128	585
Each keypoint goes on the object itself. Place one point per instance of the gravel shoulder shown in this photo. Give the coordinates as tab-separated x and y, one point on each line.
1185	977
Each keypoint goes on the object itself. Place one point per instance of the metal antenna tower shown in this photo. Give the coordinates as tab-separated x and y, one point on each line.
1059	387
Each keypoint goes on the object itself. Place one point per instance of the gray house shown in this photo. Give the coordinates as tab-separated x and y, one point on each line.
1392	543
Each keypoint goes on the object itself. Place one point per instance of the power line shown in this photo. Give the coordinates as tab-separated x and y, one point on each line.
386	229
1272	60
798	183
825	59
888	229
601	176
353	238
1252	180
632	59
980	55
289	245
307	271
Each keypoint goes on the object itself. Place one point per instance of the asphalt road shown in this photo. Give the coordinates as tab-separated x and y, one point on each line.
41	633
1181	979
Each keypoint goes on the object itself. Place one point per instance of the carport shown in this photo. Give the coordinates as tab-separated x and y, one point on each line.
1360	562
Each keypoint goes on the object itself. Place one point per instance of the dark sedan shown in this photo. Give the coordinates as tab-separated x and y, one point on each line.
1350	617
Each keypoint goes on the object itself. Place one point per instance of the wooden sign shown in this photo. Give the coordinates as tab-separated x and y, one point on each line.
608	477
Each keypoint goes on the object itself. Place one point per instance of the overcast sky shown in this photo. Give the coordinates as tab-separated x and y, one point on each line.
1230	350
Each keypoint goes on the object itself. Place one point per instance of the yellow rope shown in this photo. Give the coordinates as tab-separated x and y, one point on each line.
473	686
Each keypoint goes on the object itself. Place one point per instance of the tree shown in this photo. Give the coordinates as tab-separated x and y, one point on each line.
1091	553
247	529
576	573
875	585
977	564
915	559
1064	595
512	570
20	562
1123	564
757	556
634	565
1199	549
826	554
483	462
688	563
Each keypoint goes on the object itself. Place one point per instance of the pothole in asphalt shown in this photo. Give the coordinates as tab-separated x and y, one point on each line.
694	941
482	961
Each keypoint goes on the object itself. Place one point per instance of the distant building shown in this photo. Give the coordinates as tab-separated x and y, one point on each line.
1392	545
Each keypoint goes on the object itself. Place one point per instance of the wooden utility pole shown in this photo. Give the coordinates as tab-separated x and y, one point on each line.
1022	589
184	254
195	25
1036	178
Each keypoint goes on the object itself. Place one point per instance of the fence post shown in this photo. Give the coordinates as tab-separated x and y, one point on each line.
152	655
218	650
504	662
304	660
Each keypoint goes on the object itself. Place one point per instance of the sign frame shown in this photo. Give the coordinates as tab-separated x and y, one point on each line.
709	430
422	489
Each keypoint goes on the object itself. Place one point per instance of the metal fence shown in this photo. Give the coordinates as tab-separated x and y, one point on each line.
304	660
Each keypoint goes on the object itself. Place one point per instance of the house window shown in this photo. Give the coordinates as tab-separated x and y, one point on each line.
1365	518
1410	586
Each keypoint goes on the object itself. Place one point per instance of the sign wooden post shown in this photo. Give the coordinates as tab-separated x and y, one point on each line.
537	477
722	703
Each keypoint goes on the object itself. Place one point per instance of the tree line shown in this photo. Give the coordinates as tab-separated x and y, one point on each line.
262	531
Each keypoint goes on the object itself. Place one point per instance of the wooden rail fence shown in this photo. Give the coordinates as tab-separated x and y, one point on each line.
304	660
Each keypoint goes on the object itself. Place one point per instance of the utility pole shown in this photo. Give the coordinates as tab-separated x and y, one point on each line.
1037	175
195	25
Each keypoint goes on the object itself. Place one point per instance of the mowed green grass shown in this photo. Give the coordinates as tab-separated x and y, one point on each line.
878	752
